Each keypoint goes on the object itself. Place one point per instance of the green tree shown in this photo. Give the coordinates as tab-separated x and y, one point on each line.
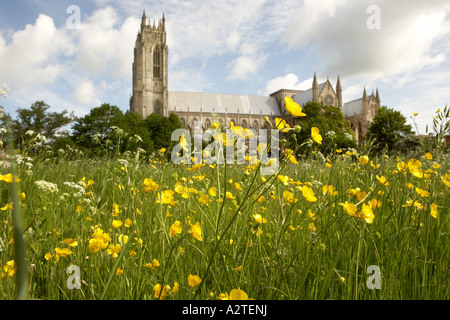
95	132
389	129
161	129
330	121
38	120
138	134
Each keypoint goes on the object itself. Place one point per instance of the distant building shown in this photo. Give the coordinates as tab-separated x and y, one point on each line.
151	93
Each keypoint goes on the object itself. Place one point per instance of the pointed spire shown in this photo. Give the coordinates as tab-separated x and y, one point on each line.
163	22
378	97
315	80
315	89
364	94
338	84
339	92
143	21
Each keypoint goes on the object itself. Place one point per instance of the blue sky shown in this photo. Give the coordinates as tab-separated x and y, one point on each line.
236	46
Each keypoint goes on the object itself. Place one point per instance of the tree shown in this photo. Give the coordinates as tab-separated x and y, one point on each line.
330	121
95	131
161	129
138	133
37	120
388	129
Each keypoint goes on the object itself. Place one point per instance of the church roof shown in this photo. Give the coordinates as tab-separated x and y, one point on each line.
303	97
181	101
352	108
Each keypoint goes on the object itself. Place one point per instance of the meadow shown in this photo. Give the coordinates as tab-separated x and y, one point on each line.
135	226
142	228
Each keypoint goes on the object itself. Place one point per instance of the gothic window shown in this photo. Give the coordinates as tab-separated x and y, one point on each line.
157	63
244	124
157	109
207	124
328	100
183	122
255	125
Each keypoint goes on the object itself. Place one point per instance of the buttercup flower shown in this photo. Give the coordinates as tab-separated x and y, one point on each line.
293	107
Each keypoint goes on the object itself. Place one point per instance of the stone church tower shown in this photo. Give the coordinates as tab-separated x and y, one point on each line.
150	69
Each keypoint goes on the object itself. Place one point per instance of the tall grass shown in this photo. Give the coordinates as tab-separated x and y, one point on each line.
305	250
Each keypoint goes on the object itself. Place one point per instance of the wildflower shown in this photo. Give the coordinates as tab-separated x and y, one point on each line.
204	199
153	265
428	156
375	203
193	280
119	271
123	239
288	196
414	168
367	213
229	195
117	223
330	190
316	135
70	242
166	197
382	180
98	240
237	186
308	193
161	294
364	160
128	223
422	193
281	125
196	231
183	142
175	228
63	252
9	178
349	208
293	107
283	179
46	186
212	192
259	218
150	185
9	270
114	250
433	210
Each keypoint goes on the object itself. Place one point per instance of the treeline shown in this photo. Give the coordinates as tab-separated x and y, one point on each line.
105	130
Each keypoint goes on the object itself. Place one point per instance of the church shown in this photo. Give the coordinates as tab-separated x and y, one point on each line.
150	93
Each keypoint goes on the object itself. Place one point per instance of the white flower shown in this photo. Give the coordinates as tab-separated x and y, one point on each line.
29	132
46	186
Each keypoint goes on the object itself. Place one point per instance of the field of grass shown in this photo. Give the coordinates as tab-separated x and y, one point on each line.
344	227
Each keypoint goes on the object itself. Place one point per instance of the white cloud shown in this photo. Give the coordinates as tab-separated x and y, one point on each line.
289	81
338	32
105	45
35	54
86	93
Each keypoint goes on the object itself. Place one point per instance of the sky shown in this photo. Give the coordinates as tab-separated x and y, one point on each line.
76	55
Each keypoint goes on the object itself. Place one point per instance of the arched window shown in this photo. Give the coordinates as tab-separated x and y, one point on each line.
207	124
157	108
255	125
244	124
157	63
183	122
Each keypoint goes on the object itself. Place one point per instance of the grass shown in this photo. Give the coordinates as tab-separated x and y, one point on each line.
304	250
